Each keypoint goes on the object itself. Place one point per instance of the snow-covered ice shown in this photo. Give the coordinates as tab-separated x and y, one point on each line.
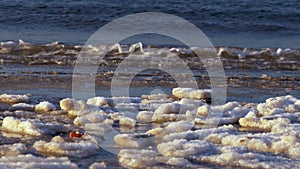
31	127
45	106
12	99
58	146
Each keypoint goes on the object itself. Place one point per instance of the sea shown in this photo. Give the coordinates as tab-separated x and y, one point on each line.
238	23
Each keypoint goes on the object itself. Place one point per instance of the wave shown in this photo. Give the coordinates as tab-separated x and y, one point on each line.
62	54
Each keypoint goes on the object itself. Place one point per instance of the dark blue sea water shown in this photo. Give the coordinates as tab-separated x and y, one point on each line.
241	23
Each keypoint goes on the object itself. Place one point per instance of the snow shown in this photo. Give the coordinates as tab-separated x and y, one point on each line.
241	157
183	148
12	149
191	93
262	124
30	127
58	146
98	165
30	161
97	101
135	140
127	121
22	106
45	106
73	107
94	116
144	116
157	130
137	158
12	99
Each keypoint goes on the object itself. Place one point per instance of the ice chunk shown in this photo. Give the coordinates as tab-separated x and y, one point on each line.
127	121
180	162
45	106
12	99
135	140
291	129
90	117
263	124
30	161
31	127
285	144
170	112
144	116
22	106
58	146
137	158
191	93
158	96
203	110
73	107
184	148
241	157
97	101
98	165
12	149
278	105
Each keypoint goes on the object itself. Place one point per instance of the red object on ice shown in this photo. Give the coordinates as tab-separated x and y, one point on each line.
76	133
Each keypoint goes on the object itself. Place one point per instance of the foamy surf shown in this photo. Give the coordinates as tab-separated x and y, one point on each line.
62	54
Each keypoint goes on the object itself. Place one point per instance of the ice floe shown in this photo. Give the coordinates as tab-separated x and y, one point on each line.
159	130
45	106
12	99
58	146
31	127
12	149
192	93
29	161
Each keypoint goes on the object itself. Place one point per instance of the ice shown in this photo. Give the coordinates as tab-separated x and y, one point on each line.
30	127
12	99
45	106
98	101
203	110
191	93
12	149
144	116
116	116
291	129
184	148
98	165
127	121
92	116
129	107
135	140
179	126
158	96
213	135
137	158
72	106
58	146
29	161
170	112
22	106
262	124
269	143
241	157
278	105
117	100
180	162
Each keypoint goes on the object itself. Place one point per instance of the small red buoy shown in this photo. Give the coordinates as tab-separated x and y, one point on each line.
76	133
